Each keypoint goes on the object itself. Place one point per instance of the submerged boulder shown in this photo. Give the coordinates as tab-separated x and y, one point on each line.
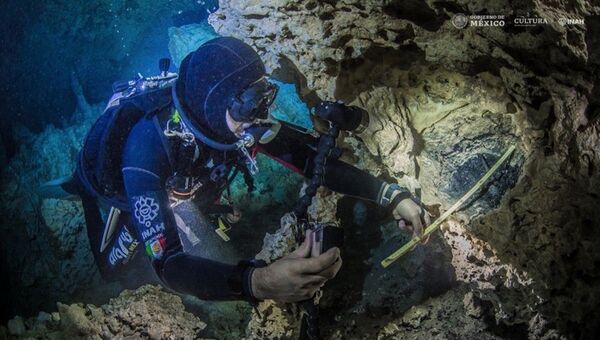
147	312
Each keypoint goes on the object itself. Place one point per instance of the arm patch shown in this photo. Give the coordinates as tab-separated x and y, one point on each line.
150	223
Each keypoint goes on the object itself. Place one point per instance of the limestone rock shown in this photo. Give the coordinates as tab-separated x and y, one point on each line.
473	305
75	322
16	326
186	39
66	224
45	240
388	135
276	321
315	35
147	312
415	316
281	242
441	317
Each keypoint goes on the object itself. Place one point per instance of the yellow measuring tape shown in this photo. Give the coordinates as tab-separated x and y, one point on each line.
222	229
436	224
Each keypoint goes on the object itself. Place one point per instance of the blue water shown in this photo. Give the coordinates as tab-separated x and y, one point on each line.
102	41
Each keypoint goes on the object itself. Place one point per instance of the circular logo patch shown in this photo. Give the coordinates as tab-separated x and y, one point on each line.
460	20
146	210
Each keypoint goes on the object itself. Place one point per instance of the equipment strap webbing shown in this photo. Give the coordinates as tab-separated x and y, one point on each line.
436	224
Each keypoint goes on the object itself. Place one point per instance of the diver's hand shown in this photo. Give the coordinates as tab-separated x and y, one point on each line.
296	277
412	217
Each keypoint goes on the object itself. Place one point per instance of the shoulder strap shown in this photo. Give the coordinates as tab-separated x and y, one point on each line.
150	102
160	120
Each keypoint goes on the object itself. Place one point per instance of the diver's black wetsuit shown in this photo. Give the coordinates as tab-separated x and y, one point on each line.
152	225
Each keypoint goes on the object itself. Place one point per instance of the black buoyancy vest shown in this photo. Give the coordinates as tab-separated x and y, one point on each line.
100	159
99	164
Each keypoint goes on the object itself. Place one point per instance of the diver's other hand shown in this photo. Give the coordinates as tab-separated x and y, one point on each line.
296	277
412	216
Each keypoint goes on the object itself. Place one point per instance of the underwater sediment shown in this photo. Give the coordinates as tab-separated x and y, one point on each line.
519	261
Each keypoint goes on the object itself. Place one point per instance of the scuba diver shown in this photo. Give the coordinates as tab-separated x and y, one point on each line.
178	138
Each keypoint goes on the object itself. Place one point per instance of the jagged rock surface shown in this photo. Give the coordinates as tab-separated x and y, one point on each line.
456	314
148	312
445	103
45	242
186	39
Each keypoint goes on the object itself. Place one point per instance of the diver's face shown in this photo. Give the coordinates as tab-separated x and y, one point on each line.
236	127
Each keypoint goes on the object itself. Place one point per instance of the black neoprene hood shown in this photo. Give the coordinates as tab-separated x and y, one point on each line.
210	76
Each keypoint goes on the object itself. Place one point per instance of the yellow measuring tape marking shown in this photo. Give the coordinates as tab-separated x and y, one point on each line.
222	229
436	224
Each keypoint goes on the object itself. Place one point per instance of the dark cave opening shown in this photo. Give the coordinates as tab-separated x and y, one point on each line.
426	270
374	64
417	11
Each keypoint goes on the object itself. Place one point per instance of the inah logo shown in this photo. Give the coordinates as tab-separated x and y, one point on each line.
151	231
569	21
146	210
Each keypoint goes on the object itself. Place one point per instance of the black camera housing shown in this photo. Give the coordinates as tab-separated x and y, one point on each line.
328	236
345	117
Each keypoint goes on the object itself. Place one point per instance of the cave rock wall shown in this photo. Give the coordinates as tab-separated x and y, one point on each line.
444	104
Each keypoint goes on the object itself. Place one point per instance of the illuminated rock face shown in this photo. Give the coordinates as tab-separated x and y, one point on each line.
445	103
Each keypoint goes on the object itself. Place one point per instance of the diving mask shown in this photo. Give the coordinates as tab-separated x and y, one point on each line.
253	102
